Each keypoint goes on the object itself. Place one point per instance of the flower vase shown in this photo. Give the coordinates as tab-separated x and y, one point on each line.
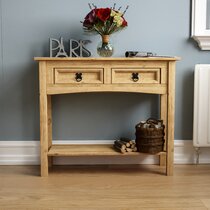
105	48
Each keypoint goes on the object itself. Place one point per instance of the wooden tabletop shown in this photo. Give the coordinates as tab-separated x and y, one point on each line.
161	58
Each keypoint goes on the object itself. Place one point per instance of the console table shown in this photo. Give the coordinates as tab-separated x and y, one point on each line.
154	75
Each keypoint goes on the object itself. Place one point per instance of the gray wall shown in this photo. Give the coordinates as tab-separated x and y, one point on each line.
159	26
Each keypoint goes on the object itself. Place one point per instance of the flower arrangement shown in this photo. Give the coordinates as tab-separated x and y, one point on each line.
104	21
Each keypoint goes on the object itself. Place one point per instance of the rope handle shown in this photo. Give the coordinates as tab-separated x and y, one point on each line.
152	122
155	121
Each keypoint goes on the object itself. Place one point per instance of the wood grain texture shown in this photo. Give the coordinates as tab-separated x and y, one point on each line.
164	117
86	88
170	120
49	115
57	76
107	59
43	118
87	150
148	76
105	187
67	76
206	202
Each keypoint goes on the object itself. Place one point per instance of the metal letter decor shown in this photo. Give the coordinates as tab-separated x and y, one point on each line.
76	48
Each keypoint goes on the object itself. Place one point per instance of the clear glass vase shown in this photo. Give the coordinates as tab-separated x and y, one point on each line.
105	48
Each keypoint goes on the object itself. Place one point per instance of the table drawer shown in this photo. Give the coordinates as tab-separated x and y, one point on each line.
136	75
78	75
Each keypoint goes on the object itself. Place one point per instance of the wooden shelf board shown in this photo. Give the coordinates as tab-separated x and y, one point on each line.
88	150
166	58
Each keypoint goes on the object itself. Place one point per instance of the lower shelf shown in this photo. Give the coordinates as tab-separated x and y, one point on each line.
88	150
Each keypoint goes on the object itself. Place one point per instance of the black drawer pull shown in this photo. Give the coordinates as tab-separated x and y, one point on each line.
78	77
135	77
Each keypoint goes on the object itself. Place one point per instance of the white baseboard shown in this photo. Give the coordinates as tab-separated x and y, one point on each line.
27	153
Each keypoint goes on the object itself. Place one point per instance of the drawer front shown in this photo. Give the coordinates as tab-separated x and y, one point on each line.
136	75
78	75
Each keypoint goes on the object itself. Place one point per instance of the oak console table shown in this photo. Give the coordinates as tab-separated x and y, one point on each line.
154	75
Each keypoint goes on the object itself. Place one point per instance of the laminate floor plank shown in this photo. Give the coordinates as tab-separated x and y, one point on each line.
117	187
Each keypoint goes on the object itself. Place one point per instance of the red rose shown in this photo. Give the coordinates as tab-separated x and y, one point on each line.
124	23
87	24
103	14
91	16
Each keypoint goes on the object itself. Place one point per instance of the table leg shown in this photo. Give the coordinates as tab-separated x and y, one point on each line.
164	117
170	127
43	120
49	114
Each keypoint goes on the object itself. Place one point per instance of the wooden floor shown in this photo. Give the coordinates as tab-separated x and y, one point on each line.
105	187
